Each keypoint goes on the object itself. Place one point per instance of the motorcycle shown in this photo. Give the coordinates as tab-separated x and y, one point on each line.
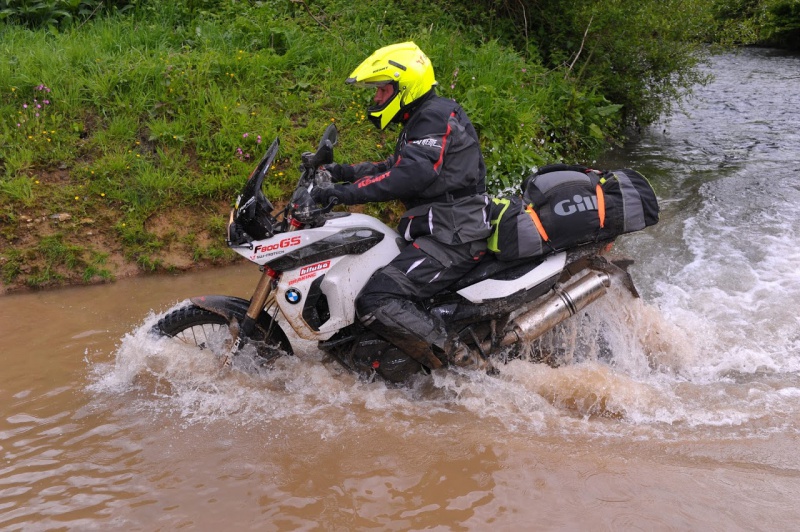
315	261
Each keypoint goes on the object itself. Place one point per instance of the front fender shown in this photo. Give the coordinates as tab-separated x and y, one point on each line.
230	307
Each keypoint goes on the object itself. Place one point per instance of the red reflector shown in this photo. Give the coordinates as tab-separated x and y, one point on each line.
376	364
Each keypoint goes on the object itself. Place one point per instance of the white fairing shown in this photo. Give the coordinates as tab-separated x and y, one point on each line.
494	289
345	275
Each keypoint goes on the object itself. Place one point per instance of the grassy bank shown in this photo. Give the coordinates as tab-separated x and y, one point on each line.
124	137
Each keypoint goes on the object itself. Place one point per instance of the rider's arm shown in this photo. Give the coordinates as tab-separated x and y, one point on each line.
416	166
348	173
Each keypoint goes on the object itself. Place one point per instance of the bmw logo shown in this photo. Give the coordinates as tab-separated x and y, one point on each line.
293	296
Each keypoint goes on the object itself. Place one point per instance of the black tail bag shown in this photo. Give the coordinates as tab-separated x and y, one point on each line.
565	206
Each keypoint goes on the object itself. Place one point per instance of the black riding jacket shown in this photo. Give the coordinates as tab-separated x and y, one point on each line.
437	171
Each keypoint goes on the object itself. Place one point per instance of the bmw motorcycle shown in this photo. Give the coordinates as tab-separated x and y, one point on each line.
315	261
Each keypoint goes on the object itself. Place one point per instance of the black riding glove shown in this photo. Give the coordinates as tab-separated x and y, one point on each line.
343	194
341	173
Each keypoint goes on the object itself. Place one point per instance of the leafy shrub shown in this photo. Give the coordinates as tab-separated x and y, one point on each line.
783	24
642	55
39	13
170	103
745	22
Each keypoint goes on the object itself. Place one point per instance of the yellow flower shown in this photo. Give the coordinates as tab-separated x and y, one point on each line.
102	194
37	181
77	197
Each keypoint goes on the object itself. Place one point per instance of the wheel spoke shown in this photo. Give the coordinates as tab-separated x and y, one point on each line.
207	330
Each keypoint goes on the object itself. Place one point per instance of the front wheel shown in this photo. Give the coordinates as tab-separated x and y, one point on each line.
209	330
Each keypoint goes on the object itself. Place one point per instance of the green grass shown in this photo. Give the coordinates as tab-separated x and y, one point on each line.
161	108
170	105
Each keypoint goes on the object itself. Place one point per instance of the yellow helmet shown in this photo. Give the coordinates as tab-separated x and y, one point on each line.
404	66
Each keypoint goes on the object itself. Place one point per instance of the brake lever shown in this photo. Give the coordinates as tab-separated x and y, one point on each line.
314	213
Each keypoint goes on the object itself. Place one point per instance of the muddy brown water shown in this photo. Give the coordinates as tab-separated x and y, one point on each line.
692	424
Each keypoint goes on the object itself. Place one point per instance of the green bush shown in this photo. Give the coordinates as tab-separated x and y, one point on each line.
180	95
783	24
642	55
766	22
144	106
43	13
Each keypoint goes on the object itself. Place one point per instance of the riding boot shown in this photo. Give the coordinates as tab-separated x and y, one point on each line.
410	328
421	335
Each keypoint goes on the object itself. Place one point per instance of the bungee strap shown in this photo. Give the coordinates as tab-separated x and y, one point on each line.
537	222
601	205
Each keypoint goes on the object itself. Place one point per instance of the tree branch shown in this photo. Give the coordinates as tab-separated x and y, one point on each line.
585	33
318	21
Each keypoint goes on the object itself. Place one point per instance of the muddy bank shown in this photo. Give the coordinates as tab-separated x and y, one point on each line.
44	250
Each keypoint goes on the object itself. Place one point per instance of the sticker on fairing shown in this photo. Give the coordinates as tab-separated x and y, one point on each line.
311	271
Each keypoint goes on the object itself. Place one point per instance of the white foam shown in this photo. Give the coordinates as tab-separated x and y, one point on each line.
646	375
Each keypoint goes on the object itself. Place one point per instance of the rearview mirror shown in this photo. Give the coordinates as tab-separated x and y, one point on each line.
324	153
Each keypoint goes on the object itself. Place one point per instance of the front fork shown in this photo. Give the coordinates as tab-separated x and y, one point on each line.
257	302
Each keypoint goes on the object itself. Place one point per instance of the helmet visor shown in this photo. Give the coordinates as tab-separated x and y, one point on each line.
369	84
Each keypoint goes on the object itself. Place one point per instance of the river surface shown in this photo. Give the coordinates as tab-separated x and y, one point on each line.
693	423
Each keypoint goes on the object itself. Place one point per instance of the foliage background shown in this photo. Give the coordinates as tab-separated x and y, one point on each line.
114	114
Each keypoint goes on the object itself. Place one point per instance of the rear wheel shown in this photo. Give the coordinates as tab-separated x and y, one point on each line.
208	330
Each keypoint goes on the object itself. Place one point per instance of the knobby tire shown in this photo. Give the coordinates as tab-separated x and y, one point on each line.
194	326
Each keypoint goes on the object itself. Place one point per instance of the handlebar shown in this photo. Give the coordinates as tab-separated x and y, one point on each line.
252	217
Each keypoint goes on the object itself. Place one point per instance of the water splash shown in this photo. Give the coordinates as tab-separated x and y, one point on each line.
620	369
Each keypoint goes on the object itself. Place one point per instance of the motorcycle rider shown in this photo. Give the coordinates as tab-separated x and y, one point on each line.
438	172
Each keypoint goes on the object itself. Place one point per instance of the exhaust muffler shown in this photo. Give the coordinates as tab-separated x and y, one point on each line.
562	303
